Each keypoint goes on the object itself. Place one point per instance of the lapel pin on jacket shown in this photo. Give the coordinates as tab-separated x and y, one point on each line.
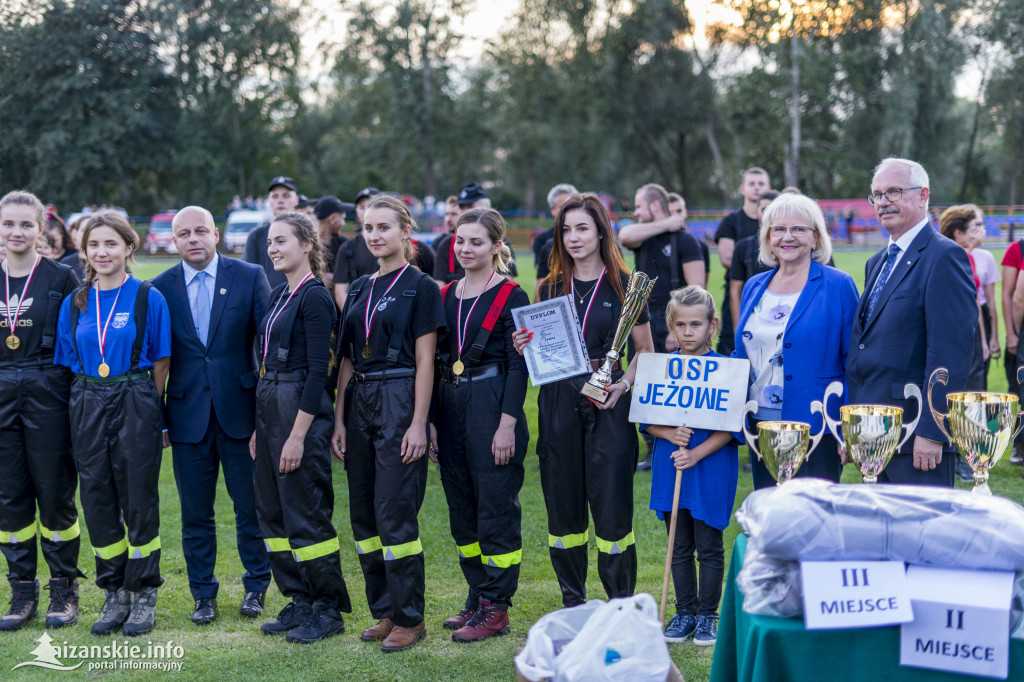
223	291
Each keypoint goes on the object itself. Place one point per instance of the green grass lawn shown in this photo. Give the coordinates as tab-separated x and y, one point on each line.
233	647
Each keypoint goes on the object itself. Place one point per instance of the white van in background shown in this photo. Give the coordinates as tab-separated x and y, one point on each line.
238	227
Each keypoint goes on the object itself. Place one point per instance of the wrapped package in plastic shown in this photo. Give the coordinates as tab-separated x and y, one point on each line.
814	520
620	640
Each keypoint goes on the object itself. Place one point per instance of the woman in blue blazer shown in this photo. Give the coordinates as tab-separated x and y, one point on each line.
794	326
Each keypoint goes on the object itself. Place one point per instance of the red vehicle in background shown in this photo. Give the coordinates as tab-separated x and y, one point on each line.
160	238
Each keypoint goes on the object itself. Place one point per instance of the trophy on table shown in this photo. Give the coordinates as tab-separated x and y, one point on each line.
981	424
782	445
871	433
638	290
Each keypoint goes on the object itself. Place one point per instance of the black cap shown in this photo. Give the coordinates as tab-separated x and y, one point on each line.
367	192
305	202
283	181
328	206
470	194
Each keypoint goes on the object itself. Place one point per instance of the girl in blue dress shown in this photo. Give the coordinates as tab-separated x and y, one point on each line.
709	461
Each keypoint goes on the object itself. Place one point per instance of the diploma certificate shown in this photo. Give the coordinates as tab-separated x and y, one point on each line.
556	350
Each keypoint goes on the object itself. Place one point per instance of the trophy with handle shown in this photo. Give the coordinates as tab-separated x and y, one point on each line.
638	290
981	423
871	433
782	445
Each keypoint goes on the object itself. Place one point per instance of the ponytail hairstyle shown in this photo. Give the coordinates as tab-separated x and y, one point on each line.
118	224
693	295
25	198
560	261
405	219
305	231
491	221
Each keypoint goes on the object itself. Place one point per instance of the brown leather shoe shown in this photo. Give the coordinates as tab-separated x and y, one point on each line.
401	638
459	619
379	631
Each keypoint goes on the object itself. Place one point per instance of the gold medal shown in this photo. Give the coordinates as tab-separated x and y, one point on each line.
13	342
367	352
458	368
263	371
104	370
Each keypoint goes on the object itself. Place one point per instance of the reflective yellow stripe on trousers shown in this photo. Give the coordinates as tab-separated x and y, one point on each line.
615	546
502	560
277	544
318	550
469	551
568	541
145	550
111	551
368	545
60	535
13	537
393	552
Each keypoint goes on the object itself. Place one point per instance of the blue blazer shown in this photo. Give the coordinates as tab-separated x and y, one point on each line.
220	374
816	342
925	319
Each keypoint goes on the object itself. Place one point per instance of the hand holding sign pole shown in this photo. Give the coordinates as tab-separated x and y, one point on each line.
671	544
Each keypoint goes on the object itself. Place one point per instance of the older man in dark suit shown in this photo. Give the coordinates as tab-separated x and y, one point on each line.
216	305
917	313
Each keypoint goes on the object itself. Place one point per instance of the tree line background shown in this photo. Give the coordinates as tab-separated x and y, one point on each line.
157	103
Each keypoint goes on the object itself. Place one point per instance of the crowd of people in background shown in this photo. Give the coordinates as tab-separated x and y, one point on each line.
361	342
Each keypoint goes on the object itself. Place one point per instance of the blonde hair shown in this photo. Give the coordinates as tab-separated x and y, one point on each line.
491	221
23	198
405	219
692	295
804	208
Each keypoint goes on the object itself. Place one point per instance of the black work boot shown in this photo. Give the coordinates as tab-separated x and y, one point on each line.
24	604
63	609
116	608
322	623
292	616
143	613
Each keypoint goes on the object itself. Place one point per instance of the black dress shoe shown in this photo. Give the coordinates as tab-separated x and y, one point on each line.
252	604
205	611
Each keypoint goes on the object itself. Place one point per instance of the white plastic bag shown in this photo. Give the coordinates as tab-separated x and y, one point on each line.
620	640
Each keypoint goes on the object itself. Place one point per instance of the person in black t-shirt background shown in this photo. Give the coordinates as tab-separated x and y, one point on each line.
664	250
734	227
36	466
282	196
557	196
746	260
446	265
481	427
330	217
677	206
387	341
588	452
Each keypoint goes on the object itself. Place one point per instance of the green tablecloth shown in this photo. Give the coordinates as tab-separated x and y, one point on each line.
766	648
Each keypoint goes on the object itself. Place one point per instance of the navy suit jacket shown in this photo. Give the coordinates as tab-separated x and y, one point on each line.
925	319
816	340
221	373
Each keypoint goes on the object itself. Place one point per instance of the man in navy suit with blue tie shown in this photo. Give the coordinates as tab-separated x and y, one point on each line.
216	305
917	313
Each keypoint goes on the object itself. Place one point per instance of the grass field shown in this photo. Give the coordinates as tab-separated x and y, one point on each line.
232	648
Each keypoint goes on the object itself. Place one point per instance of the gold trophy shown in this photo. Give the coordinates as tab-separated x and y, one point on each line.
638	290
871	433
783	445
981	423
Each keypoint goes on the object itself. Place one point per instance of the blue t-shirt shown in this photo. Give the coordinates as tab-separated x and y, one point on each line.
708	489
120	334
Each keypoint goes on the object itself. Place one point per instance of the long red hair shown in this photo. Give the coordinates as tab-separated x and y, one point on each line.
560	261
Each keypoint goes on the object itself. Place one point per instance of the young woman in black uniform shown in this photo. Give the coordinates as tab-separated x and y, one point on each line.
588	452
387	341
35	435
481	428
115	335
294	420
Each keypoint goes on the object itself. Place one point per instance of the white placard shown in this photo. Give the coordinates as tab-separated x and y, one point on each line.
854	594
962	621
556	350
689	390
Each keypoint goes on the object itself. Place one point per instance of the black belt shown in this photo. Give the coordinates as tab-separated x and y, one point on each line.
113	380
276	376
490	371
364	377
37	363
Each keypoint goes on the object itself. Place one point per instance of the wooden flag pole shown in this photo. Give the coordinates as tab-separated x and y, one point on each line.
671	546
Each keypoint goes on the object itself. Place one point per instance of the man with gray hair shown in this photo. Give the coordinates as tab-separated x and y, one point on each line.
557	196
917	313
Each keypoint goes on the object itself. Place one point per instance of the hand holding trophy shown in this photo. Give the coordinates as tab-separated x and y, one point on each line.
638	291
981	424
782	445
871	433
